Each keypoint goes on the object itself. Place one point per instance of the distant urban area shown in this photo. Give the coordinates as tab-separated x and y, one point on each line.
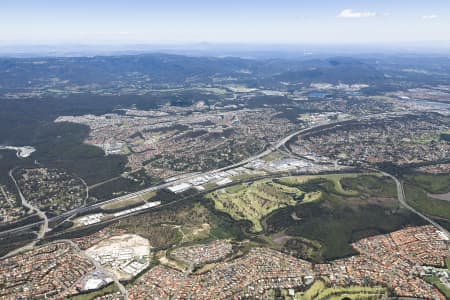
162	176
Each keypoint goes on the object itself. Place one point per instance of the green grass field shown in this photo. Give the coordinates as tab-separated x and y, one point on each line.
370	184
122	204
273	156
313	291
352	292
255	200
247	176
418	198
320	290
418	186
434	184
437	283
336	179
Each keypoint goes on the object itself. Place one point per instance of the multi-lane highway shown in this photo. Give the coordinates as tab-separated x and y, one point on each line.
187	177
82	210
281	142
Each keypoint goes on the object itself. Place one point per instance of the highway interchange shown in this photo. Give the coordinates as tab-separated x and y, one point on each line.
279	144
85	209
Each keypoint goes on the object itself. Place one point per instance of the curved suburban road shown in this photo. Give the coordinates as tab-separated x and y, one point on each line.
40	213
271	148
402	200
98	267
43	227
185	177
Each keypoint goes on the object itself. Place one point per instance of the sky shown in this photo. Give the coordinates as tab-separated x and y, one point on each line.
224	21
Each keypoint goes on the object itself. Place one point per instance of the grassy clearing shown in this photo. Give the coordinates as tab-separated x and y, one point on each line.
432	183
240	88
426	139
141	199
353	292
247	176
304	117
312	197
214	90
313	291
417	187
320	291
439	285
209	185
195	233
255	200
272	156
419	199
371	184
334	178
296	179
125	150
236	188
167	261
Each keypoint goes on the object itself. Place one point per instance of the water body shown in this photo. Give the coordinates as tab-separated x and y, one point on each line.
21	152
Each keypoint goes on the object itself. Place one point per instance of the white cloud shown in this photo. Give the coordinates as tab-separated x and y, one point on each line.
350	13
429	17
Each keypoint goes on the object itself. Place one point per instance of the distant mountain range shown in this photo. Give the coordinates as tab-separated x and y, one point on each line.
255	51
18	74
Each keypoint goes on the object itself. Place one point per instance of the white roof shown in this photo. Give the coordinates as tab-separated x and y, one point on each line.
93	283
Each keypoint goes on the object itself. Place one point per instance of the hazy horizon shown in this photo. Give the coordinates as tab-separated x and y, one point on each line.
255	50
251	22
